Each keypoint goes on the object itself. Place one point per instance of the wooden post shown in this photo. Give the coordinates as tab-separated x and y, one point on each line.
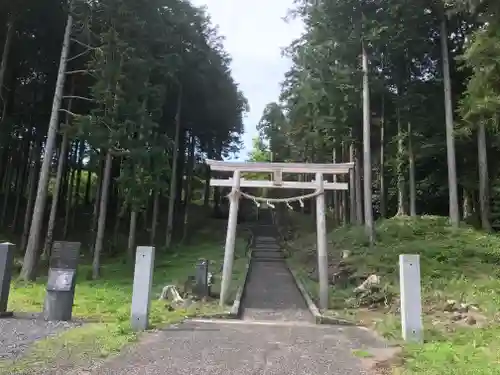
322	244
411	309
232	222
143	279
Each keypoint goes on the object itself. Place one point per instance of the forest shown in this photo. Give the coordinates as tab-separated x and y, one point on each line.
110	108
107	111
408	91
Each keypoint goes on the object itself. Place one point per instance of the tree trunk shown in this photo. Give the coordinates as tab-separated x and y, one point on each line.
76	199
28	271
55	195
3	65
178	223
352	187
188	185
367	167
450	137
467	204
69	196
359	193
154	219
24	171
131	234
484	195
122	210
206	195
400	162
383	194
7	162
413	187
63	154
88	185
101	225
7	186
19	194
95	212
344	199
173	178
31	194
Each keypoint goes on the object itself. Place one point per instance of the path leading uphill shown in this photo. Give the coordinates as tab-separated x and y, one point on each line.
271	292
276	335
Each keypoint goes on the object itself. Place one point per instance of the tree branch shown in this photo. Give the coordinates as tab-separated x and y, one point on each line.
79	55
78	97
84	44
69	112
83	71
116	152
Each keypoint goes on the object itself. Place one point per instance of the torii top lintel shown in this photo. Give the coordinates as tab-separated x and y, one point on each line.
231	166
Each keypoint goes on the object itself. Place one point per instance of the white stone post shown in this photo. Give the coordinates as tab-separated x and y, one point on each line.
322	244
141	294
227	271
411	309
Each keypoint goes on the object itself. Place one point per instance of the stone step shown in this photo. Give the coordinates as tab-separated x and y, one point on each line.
265	239
267	248
269	255
260	251
268	260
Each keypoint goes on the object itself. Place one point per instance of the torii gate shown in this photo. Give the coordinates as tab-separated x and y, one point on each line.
277	169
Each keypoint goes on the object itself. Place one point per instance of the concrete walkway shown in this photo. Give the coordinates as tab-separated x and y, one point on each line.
275	336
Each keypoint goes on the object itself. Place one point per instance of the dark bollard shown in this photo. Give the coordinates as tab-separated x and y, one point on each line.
201	286
61	284
6	257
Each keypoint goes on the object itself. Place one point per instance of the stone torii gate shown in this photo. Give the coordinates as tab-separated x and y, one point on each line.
277	170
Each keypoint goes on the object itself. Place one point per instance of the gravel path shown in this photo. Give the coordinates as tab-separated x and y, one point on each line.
244	348
17	334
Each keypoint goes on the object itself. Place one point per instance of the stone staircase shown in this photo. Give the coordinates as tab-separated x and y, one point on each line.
271	292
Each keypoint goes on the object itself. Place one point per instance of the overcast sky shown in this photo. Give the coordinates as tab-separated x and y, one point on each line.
255	35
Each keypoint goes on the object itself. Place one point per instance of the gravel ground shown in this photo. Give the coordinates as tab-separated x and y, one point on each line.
244	348
17	334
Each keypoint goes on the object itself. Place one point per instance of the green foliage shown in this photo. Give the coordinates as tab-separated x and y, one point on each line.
260	151
135	66
457	264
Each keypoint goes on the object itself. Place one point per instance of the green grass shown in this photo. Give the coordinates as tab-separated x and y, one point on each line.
460	264
107	301
362	354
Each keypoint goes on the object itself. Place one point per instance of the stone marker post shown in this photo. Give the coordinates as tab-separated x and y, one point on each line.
143	279
58	304
201	288
411	309
6	256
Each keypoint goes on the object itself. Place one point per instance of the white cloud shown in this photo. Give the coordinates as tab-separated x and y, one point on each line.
255	35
